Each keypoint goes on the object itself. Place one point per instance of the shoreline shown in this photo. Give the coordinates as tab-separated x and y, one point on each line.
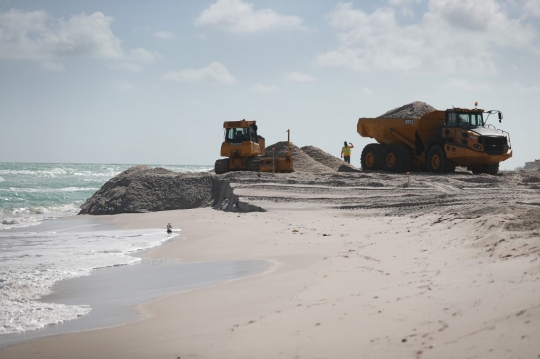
452	272
157	278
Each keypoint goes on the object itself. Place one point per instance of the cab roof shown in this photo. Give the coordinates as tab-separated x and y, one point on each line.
458	109
238	124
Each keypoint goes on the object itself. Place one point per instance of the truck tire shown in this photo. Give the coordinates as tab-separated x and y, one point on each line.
492	169
221	166
396	158
371	157
438	162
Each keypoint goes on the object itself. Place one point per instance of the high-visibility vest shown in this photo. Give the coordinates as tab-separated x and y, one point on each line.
346	151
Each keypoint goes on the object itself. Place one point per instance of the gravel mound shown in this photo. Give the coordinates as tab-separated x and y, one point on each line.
328	160
301	160
411	110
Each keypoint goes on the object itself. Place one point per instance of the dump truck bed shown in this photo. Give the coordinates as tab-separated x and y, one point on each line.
401	130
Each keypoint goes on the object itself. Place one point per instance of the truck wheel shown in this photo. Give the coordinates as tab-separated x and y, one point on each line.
477	169
221	166
492	169
371	157
396	158
436	159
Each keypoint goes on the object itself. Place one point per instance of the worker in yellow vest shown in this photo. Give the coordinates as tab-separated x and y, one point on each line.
346	152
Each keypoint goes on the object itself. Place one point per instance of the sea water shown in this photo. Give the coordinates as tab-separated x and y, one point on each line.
36	251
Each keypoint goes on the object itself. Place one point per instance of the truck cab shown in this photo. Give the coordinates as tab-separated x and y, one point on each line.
467	140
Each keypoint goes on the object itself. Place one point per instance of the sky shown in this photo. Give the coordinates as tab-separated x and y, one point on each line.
151	82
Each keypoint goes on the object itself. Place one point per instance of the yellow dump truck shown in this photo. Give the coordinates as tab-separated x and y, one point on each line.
245	151
436	142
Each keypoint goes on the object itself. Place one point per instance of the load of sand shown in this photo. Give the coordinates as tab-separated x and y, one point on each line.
411	110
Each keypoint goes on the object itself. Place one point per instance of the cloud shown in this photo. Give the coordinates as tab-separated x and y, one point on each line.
404	6
463	85
215	72
450	38
533	7
124	86
298	77
165	35
239	16
201	36
142	56
366	91
401	3
516	87
52	66
37	36
264	89
126	66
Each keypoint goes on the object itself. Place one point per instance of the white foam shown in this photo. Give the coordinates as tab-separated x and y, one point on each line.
29	216
49	173
49	190
31	262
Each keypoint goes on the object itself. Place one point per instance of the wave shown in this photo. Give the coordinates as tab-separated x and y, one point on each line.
51	173
2	179
29	216
49	190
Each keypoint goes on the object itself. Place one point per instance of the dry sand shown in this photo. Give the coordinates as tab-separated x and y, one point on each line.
366	265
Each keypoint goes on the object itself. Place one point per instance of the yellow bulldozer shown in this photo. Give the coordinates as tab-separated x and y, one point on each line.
245	150
436	142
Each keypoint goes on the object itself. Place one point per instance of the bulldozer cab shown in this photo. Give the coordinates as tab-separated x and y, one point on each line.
240	134
241	139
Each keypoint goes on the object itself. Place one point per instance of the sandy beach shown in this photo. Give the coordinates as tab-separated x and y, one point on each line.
364	265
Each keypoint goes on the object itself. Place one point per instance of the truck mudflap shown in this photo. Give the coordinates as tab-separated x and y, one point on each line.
466	156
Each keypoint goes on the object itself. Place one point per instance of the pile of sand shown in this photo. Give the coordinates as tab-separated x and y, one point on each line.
301	160
144	189
411	110
328	160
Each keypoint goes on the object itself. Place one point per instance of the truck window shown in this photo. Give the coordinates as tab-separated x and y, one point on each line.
464	119
471	119
476	119
451	119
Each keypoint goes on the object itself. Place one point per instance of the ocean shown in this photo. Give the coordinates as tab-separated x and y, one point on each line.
37	250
